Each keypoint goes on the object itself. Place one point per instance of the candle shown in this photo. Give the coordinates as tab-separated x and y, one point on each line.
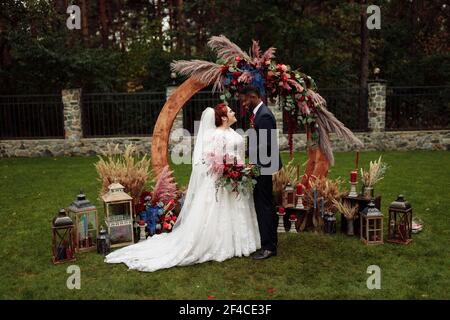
315	198
357	160
299	189
85	227
354	176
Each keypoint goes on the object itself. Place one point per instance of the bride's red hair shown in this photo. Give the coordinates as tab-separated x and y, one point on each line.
220	110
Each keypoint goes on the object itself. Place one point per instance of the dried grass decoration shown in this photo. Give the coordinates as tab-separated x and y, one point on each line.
376	172
124	168
349	211
288	173
326	188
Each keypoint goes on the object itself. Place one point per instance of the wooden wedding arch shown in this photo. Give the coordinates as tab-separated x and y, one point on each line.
317	164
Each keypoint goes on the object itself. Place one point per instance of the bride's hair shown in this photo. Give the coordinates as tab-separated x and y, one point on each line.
220	111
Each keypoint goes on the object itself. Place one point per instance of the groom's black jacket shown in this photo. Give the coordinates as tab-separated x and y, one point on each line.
265	120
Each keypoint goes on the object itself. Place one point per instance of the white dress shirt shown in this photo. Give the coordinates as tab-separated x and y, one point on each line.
257	108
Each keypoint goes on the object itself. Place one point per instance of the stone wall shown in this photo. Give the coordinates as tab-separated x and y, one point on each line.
75	145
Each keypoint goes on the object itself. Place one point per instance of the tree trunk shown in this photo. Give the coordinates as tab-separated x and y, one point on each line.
103	22
364	59
84	21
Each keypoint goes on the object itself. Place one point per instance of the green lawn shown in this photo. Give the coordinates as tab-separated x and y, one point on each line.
308	266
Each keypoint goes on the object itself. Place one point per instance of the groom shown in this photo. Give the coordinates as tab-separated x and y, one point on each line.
264	151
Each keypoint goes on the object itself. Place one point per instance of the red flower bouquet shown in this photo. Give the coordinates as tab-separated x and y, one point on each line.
232	175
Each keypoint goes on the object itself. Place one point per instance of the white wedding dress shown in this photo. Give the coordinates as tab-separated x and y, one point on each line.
209	227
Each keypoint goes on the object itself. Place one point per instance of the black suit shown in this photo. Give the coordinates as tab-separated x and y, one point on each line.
265	208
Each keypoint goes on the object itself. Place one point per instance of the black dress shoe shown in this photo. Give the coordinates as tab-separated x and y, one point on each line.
264	254
257	252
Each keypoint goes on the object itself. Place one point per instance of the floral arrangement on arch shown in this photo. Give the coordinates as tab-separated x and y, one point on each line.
297	92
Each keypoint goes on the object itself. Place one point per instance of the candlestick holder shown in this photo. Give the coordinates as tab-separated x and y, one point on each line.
353	192
293	221
299	204
281	228
142	236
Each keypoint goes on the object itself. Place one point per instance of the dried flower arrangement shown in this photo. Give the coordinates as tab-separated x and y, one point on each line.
346	208
124	168
288	173
326	188
376	172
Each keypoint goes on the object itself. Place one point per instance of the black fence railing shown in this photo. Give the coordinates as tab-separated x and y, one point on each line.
345	104
193	109
121	114
31	117
418	108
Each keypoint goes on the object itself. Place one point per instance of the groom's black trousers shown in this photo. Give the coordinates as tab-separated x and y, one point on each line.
265	212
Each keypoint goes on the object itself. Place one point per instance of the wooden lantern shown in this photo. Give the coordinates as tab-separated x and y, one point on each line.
400	221
85	216
62	239
371	225
118	216
288	196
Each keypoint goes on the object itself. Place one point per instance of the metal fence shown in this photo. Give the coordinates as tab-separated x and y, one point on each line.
193	109
418	108
121	114
345	105
31	117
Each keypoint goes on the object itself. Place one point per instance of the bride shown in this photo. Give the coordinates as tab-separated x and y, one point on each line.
210	226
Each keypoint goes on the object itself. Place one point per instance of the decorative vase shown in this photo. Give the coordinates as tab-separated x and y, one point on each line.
350	227
368	192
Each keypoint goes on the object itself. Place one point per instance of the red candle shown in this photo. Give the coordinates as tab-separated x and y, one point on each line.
299	189
354	176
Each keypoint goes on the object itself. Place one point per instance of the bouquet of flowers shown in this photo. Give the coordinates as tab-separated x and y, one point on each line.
232	175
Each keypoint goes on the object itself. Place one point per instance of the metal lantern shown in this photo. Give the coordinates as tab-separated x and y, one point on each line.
62	239
371	225
400	221
85	216
329	220
288	196
118	215
103	243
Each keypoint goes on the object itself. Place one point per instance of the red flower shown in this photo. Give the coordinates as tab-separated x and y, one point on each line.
141	222
211	297
236	74
281	210
224	69
174	218
234	82
292	217
270	290
166	226
237	58
168	218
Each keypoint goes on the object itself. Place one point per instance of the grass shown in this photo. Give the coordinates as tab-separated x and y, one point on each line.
308	266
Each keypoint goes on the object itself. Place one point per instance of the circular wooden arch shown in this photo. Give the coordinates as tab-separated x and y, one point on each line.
317	163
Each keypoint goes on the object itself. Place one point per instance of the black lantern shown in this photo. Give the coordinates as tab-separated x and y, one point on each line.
62	239
371	225
85	216
329	226
103	243
400	221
